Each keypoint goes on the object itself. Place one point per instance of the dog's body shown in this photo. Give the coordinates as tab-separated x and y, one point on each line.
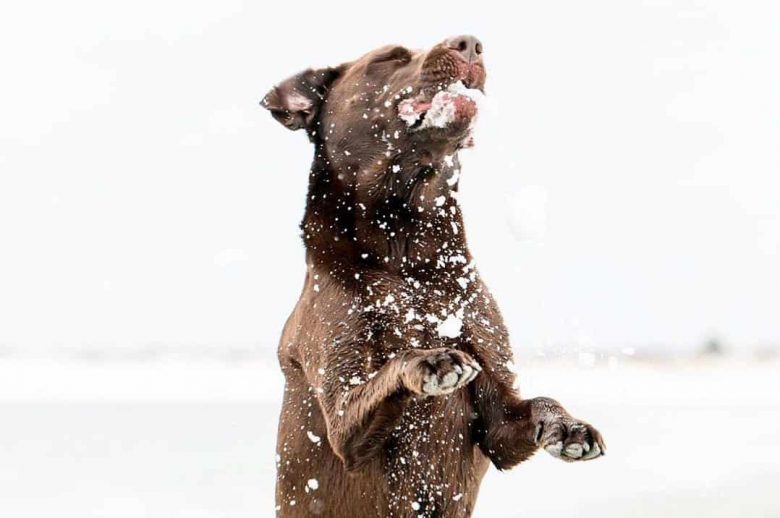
397	363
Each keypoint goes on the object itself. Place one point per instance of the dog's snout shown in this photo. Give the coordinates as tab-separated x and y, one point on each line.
467	46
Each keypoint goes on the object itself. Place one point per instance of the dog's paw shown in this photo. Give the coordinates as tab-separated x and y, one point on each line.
567	438
437	372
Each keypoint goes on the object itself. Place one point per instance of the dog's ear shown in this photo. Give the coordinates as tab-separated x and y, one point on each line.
295	102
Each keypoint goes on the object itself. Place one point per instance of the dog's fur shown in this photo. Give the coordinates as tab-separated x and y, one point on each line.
397	362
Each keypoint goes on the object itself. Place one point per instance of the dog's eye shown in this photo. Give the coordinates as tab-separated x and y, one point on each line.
396	56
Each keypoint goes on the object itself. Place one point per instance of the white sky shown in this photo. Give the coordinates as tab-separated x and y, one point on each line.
624	189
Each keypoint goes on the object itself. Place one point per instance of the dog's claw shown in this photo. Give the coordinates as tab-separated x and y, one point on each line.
442	372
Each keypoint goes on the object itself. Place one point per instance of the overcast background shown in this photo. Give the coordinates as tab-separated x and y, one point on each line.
624	190
623	201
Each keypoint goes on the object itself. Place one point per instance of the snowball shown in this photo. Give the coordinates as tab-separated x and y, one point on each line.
451	327
442	109
407	113
441	113
313	483
526	213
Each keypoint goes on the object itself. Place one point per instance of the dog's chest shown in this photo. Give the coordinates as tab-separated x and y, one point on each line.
429	456
414	316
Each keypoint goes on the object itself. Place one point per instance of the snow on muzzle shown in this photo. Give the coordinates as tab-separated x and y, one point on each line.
446	107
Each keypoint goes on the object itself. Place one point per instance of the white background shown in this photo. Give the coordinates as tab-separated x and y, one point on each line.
624	190
623	197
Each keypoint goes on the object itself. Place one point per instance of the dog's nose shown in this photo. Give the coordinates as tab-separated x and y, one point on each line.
467	46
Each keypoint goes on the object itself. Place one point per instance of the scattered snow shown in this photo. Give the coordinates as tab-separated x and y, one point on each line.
313	437
313	484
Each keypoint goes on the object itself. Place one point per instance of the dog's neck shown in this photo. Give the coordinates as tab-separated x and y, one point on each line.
406	221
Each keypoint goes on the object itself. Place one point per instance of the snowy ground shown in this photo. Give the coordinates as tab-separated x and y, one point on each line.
196	439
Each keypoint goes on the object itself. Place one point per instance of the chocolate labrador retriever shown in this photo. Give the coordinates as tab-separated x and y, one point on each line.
398	389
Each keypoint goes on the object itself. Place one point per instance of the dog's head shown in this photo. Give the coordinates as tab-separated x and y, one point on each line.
393	108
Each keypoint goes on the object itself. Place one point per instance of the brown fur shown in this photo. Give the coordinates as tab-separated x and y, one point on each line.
387	263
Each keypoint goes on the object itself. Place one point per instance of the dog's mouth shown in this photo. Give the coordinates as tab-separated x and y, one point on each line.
454	107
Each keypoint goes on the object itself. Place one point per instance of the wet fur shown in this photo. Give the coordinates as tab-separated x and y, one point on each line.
380	248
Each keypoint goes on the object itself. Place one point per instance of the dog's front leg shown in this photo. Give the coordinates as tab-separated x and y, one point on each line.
360	418
511	429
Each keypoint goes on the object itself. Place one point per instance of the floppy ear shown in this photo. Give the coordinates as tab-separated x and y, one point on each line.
296	101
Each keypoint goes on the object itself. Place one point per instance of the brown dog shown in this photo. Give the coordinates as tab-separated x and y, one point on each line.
398	389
